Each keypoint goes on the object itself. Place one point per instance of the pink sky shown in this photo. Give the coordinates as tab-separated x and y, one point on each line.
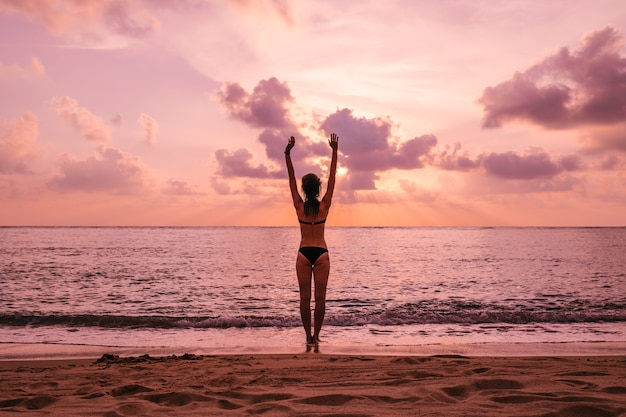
469	113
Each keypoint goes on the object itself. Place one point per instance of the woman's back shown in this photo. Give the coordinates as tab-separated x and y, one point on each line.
312	229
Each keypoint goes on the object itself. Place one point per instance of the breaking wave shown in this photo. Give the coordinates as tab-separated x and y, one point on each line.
441	312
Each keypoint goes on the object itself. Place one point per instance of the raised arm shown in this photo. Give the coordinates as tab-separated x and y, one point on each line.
293	186
333	142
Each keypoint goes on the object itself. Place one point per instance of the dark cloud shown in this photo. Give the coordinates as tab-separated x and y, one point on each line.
368	148
109	170
570	88
534	164
266	106
571	163
610	163
238	164
274	141
539	164
367	145
454	159
358	134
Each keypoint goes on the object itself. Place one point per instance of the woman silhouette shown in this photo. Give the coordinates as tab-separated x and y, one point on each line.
312	261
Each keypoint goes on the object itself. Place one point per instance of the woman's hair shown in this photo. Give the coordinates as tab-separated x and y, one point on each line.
311	186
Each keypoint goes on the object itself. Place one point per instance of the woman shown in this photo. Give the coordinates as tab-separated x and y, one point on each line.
313	261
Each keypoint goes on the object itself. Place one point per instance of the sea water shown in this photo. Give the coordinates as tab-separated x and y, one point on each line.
198	289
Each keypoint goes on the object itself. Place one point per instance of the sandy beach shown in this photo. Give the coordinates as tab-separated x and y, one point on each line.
310	384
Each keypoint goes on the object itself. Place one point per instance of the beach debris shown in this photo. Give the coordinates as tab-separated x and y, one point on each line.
109	358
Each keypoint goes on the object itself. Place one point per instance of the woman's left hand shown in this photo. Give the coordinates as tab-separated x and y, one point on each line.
291	144
333	142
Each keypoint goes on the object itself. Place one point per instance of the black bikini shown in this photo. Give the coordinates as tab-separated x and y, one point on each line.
312	223
312	253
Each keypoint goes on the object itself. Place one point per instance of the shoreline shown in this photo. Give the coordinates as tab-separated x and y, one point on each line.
50	351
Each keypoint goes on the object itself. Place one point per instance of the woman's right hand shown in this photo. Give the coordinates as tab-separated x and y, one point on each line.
291	144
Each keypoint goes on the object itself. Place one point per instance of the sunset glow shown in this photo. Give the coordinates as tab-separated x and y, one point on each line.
466	113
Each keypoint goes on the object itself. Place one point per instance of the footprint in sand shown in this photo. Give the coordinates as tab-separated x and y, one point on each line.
329	400
464	391
32	403
268	409
129	390
43	385
614	390
177	399
410	361
585	411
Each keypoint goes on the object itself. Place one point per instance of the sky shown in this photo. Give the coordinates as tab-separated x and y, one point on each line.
177	113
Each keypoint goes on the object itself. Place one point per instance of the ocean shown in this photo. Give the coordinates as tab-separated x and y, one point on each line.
67	290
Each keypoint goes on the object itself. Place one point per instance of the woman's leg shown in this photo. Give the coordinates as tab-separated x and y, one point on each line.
304	271
320	274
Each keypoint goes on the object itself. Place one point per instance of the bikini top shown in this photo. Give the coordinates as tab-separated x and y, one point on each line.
311	223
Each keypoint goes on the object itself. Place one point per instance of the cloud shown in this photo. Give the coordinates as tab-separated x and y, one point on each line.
455	159
534	165
485	185
367	145
222	188
110	170
118	119
150	128
610	163
122	19
238	164
418	193
274	142
368	148
80	119
510	165
88	17
361	180
604	138
266	106
35	68
17	144
175	187
586	85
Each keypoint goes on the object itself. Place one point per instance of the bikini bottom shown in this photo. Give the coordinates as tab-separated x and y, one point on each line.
312	253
